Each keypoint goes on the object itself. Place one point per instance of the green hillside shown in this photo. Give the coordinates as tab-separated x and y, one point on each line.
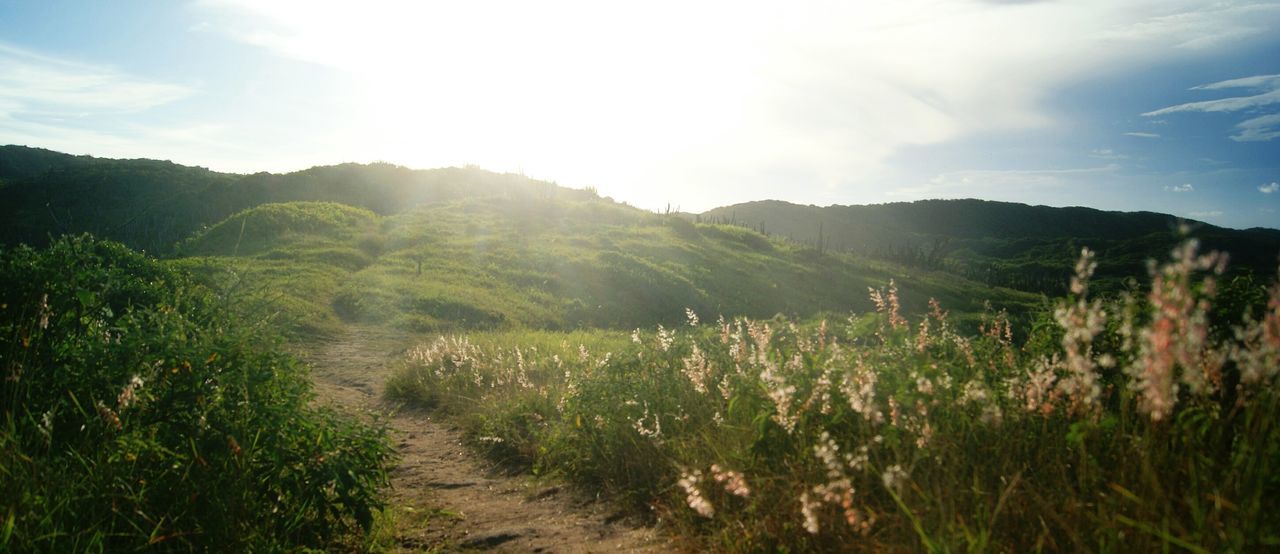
468	248
529	260
1000	243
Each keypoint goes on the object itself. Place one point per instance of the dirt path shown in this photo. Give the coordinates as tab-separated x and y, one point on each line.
449	499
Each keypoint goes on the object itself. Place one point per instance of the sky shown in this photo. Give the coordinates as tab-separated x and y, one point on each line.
1169	106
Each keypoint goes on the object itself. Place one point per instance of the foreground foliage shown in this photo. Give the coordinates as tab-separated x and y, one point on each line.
1131	423
135	411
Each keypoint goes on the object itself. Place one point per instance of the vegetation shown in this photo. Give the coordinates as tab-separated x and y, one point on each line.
530	261
1000	243
145	402
1117	424
135	411
153	205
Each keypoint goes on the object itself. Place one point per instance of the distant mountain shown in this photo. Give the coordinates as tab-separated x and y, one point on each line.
999	243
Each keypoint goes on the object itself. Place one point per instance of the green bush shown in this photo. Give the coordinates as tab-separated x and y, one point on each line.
135	411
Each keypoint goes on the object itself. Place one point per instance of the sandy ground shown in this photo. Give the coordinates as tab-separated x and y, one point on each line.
445	497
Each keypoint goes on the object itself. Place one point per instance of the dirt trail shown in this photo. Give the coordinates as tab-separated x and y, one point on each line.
450	499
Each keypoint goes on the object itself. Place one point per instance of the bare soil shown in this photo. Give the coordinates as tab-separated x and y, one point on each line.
448	499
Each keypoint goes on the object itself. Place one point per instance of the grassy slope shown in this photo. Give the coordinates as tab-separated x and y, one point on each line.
533	260
152	205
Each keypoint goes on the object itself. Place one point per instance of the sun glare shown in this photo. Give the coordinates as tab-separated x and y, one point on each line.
535	91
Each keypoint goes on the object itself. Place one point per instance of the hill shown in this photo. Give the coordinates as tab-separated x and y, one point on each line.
1000	243
542	262
464	247
152	205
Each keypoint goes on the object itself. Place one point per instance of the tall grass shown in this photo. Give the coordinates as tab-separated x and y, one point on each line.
1126	423
135	411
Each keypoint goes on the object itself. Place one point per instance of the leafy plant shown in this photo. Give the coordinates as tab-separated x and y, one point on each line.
135	411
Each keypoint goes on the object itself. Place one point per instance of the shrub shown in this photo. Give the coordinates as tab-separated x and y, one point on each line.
134	411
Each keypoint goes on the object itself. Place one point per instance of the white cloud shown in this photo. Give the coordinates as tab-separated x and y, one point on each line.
1255	129
702	102
1207	215
1269	188
1106	154
1268	82
1258	129
84	108
1142	135
1185	187
1224	104
34	85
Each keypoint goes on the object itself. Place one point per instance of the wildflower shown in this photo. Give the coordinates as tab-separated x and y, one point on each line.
128	394
838	489
46	425
809	509
859	389
1037	389
858	461
665	338
974	393
689	482
645	431
894	477
781	394
1257	351
828	451
924	385
821	394
734	483
725	387
44	311
635	336
691	317
887	303
1177	337
1081	321
965	348
109	416
926	434
922	336
697	370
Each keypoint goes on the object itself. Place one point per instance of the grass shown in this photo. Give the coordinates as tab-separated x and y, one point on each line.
1113	425
513	262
